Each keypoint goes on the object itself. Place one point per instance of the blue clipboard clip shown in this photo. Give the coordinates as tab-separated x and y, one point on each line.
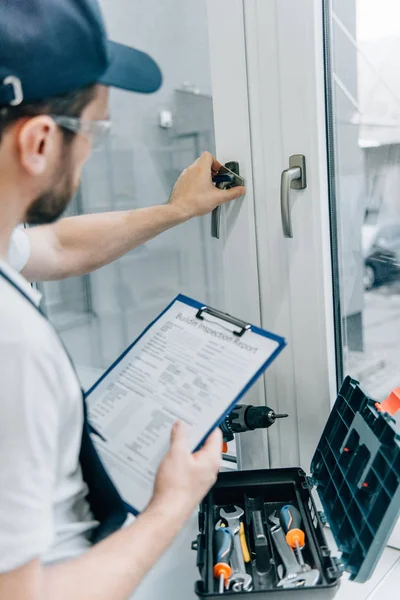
242	325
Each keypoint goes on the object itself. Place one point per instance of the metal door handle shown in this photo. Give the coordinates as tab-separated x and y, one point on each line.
292	178
215	222
227	177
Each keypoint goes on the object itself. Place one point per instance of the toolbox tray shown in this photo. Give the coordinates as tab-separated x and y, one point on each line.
278	487
356	472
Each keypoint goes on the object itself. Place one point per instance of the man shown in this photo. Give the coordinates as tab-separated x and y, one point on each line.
60	515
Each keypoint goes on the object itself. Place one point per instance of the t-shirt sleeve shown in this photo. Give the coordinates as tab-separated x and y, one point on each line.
28	453
19	249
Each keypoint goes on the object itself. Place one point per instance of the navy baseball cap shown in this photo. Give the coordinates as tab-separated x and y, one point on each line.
52	47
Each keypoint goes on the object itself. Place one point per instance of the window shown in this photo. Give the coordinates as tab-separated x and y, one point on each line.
366	116
154	138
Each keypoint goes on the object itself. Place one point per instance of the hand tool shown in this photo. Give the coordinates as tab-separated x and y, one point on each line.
262	581
246	580
261	546
292	567
240	579
262	566
223	547
264	572
274	519
294	575
232	519
290	520
277	523
241	582
303	579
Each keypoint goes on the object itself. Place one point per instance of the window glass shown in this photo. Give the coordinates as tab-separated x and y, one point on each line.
366	95
154	138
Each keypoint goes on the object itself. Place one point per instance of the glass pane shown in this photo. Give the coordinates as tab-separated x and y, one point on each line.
154	138
366	90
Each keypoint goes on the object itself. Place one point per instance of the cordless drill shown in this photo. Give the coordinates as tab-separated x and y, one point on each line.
245	417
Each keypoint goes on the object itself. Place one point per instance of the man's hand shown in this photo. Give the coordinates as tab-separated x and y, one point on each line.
195	195
114	567
71	247
184	478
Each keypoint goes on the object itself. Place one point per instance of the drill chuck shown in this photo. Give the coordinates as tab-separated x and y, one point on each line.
247	418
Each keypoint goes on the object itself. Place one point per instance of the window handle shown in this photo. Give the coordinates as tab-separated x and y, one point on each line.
216	222
227	177
293	178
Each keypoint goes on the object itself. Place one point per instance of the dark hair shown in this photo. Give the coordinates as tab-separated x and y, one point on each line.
70	105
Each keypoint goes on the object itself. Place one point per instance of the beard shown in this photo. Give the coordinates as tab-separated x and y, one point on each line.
51	204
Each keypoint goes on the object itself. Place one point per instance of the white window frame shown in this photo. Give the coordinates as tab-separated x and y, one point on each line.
238	227
286	90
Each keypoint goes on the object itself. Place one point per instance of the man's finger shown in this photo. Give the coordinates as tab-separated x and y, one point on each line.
208	159
216	165
233	193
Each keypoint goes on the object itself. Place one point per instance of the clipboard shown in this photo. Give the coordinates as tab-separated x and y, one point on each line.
224	331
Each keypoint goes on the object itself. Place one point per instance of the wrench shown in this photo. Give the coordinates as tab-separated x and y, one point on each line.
292	567
274	519
241	582
240	579
303	579
295	575
233	521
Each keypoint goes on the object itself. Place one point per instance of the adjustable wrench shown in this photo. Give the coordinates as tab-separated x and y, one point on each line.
240	579
303	579
295	576
274	519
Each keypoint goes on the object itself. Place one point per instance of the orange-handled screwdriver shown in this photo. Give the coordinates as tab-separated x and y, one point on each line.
223	547
290	519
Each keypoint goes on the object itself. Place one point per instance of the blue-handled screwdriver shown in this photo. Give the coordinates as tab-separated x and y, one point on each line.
290	519
223	547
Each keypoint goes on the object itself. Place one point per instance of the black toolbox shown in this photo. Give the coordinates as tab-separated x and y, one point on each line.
356	472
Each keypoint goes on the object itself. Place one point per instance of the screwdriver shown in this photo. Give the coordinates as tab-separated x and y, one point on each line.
290	519
223	547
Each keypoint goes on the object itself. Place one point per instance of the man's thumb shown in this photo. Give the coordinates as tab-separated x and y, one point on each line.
180	435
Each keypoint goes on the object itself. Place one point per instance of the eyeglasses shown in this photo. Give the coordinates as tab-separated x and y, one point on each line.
96	131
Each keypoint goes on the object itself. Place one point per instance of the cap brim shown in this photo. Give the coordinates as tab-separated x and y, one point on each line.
131	70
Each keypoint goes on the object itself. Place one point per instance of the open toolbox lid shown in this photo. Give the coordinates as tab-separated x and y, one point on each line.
356	471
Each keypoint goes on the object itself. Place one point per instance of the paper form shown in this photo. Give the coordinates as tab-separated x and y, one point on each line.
181	368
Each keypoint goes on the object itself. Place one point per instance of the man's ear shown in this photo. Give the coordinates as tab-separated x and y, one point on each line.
37	141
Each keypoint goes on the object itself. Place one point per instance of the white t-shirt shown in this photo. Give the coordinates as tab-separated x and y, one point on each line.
19	249
43	509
